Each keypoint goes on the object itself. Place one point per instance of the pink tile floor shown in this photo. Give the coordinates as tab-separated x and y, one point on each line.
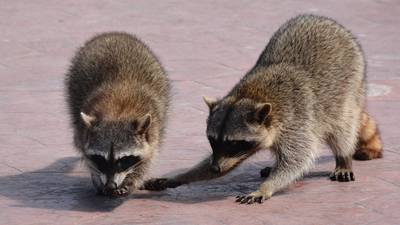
206	46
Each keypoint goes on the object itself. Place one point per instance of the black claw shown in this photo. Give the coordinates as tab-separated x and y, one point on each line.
244	199
342	177
347	176
250	201
240	198
352	176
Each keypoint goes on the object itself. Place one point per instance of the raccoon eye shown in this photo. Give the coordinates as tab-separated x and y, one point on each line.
234	142
127	162
238	147
247	145
100	162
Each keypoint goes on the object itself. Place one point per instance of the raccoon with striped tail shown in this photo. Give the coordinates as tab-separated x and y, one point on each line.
118	96
307	88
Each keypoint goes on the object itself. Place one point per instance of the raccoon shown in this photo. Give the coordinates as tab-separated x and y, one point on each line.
118	96
307	88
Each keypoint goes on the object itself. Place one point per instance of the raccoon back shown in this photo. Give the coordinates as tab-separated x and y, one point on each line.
116	71
328	52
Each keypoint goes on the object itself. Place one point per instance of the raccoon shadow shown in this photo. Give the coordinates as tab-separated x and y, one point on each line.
244	179
53	188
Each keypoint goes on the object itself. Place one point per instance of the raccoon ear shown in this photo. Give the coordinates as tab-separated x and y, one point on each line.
210	101
142	125
88	119
262	111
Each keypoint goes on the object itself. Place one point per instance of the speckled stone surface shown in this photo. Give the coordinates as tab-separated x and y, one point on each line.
206	46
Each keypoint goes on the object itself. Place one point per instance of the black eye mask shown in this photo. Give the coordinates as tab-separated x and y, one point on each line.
100	162
126	162
111	166
232	148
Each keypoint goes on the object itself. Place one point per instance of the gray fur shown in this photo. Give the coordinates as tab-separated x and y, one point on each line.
118	96
312	74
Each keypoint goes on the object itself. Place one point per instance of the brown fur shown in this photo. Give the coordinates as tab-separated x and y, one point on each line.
369	141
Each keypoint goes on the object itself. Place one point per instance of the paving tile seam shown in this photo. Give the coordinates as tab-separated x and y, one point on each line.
4	65
228	66
55	172
391	151
60	90
202	111
34	140
371	210
12	167
205	85
381	100
389	182
19	57
29	112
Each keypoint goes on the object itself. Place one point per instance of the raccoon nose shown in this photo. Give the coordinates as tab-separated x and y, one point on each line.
111	185
215	169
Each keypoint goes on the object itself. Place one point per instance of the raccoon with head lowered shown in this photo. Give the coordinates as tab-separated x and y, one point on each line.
307	87
118	96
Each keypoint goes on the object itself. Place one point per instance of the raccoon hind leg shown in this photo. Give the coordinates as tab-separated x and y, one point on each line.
342	145
343	171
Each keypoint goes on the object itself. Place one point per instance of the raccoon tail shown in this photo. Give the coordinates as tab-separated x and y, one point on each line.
369	140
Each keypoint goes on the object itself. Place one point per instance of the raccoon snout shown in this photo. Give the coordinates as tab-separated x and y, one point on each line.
110	186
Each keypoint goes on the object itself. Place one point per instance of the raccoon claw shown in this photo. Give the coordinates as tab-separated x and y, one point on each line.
265	172
121	192
254	197
159	184
342	175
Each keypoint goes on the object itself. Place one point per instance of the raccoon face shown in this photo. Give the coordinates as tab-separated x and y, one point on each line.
115	150
236	130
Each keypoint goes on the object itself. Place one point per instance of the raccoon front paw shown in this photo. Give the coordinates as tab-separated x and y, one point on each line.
155	184
159	184
342	175
257	196
121	192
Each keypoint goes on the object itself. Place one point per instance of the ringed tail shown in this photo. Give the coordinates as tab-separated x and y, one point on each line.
369	144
